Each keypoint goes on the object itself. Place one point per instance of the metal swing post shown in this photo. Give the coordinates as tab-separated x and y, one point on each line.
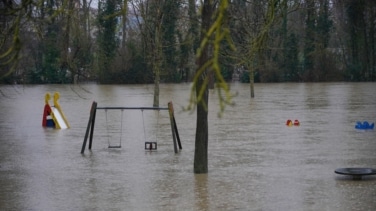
90	127
174	128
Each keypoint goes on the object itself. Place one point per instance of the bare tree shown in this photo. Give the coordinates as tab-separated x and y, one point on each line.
149	18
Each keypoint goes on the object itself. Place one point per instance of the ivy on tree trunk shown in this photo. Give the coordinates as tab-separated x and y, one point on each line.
201	140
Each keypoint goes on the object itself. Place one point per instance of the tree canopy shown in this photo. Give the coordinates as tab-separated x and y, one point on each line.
61	41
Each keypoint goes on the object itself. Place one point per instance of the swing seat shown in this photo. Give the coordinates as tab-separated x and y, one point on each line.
114	146
151	145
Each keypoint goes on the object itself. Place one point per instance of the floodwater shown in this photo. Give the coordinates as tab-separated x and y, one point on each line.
256	162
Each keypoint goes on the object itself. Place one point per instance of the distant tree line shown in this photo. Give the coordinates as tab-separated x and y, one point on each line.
144	41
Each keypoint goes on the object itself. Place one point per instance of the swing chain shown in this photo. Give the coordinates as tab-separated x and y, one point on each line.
157	127
108	134
121	127
121	130
143	124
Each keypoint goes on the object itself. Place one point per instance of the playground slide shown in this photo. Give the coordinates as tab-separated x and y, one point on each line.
53	116
59	118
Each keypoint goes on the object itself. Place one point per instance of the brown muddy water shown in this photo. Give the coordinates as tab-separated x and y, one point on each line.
256	162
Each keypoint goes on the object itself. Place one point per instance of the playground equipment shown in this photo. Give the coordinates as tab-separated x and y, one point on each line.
364	126
356	173
53	116
148	145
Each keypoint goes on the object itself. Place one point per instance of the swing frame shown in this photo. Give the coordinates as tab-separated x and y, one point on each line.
91	123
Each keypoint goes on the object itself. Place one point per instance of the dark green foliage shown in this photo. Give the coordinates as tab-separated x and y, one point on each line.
184	52
357	42
244	77
82	57
7	80
138	72
194	25
292	62
43	64
107	40
324	25
353	72
226	72
169	41
227	67
49	60
309	40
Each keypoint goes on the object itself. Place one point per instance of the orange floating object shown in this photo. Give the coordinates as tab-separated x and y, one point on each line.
289	123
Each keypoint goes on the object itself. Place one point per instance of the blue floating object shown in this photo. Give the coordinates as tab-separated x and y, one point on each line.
364	126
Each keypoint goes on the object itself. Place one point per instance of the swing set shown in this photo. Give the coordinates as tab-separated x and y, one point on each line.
148	145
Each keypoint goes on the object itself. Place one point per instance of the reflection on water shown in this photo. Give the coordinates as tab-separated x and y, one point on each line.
256	162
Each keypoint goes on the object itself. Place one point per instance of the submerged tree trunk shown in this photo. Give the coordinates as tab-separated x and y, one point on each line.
156	91
157	65
157	60
252	82
201	139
